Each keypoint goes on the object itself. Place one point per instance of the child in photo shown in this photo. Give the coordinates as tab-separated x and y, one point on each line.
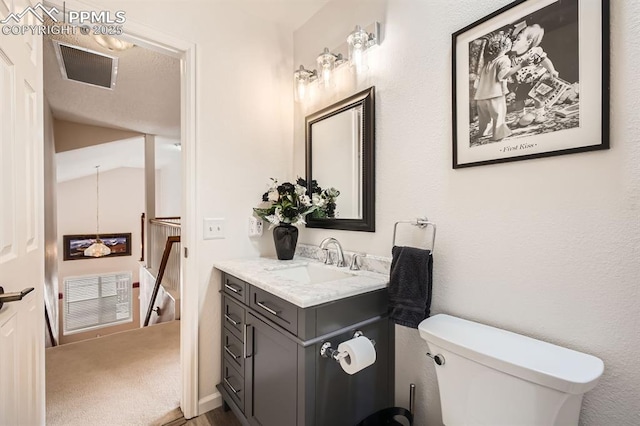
529	63
492	89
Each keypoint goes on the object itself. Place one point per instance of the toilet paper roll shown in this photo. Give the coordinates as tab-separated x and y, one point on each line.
361	354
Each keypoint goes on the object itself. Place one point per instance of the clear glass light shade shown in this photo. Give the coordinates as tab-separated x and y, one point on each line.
358	42
326	65
97	249
302	78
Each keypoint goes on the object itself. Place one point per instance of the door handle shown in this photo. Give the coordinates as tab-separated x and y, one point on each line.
13	297
247	338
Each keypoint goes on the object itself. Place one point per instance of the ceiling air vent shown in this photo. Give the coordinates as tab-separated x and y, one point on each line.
86	66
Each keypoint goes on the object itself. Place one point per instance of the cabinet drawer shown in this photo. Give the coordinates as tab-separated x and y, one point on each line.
277	310
235	288
233	382
234	317
233	350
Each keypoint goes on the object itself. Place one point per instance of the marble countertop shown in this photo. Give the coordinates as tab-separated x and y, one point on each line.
262	273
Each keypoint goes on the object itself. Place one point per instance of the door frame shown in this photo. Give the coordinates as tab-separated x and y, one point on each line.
152	39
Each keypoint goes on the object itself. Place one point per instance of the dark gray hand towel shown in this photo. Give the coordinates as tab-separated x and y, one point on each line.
410	285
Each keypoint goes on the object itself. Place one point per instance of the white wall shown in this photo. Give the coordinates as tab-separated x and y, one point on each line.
244	114
168	178
119	212
547	247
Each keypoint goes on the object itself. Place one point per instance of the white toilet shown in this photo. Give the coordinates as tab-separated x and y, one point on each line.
493	377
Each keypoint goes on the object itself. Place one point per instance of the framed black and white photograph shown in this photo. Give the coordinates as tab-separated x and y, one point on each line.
75	245
531	80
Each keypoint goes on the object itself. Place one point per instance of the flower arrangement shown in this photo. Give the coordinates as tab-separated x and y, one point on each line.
288	203
325	199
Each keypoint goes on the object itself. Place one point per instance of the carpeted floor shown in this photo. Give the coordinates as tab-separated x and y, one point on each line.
128	378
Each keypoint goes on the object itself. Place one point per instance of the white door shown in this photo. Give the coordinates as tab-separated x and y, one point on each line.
22	391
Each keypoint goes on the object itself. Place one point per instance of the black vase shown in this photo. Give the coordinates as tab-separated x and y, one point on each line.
285	237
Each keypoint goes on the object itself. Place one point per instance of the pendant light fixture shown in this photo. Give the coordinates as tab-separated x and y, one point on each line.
97	249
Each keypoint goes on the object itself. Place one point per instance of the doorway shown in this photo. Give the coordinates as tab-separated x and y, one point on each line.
155	41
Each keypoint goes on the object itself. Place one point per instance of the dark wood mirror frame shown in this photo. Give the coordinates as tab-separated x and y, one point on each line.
366	98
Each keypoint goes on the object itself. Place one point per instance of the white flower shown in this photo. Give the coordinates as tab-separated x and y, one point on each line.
279	215
317	200
273	195
272	219
330	193
305	200
300	190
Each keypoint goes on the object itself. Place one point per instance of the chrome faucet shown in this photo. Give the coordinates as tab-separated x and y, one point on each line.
340	254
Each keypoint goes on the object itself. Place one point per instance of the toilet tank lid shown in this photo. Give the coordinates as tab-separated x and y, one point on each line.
534	360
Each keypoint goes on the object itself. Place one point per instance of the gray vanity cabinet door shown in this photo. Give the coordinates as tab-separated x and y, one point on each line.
271	375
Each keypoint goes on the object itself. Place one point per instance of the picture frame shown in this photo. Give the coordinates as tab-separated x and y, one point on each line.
74	245
531	80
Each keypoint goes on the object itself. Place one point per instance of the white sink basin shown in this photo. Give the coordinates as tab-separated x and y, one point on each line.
311	274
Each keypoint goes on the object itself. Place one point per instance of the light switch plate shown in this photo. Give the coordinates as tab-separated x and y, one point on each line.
214	228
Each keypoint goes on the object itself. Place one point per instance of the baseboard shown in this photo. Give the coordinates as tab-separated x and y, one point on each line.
209	403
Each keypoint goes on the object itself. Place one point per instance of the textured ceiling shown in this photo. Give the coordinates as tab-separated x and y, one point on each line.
146	98
291	14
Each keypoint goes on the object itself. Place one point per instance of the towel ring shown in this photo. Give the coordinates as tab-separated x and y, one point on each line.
421	223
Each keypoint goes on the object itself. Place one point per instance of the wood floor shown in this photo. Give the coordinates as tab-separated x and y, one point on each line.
215	417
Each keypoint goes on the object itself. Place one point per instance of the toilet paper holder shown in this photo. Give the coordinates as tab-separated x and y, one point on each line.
327	351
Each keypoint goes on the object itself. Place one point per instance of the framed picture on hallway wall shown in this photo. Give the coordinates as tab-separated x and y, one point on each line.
75	245
531	80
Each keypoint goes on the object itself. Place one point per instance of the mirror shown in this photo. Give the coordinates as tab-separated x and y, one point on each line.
340	155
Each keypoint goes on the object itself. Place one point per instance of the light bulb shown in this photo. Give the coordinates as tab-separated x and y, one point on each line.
358	41
326	63
326	74
302	78
302	90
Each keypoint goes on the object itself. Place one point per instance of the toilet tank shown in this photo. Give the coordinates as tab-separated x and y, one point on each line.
495	377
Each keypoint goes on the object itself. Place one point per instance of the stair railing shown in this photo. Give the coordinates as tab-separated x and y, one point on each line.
164	257
163	267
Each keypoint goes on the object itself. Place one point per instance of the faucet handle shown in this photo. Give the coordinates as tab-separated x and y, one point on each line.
354	261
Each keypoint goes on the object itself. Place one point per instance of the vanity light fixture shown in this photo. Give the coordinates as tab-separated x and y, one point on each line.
327	62
359	41
302	78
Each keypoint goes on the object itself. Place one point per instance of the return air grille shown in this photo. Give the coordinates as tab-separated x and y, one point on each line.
86	66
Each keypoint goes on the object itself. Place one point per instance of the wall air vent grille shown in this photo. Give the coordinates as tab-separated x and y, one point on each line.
86	66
